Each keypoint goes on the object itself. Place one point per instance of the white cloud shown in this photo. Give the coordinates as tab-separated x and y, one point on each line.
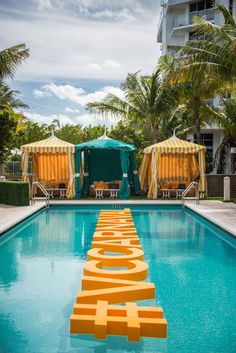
39	94
107	64
84	119
111	63
47	119
94	66
76	95
64	44
79	39
108	14
60	91
71	110
43	4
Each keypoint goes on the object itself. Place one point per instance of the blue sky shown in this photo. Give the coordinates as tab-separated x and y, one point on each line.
79	51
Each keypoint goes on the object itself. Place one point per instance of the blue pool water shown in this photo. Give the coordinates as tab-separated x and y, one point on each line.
191	262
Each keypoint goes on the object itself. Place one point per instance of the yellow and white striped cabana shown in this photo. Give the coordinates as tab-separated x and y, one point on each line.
172	160
52	161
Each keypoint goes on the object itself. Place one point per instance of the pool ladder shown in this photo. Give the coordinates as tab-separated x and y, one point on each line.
193	186
35	185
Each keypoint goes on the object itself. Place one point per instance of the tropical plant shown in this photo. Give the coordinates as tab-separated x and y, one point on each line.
145	103
11	122
213	53
28	133
92	132
8	126
195	95
71	133
128	133
227	112
8	98
11	58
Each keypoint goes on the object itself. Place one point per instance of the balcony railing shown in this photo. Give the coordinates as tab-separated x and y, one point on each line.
180	21
208	14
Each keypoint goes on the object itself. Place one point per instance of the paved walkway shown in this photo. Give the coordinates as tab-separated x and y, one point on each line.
221	213
11	215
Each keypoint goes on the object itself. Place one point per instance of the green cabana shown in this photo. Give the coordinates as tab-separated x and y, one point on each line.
108	160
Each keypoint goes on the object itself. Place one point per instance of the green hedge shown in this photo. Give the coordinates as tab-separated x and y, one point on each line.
14	193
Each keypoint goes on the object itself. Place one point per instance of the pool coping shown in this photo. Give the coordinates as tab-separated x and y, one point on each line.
192	207
212	220
21	219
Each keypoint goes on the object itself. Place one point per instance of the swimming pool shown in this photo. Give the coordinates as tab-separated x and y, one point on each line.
191	262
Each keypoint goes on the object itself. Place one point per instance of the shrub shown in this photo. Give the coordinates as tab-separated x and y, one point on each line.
14	193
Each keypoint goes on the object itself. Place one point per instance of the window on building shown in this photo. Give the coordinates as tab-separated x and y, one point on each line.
193	7
210	4
207	140
231	7
202	5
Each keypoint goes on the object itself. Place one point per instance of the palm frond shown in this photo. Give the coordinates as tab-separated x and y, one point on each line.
11	58
227	15
8	98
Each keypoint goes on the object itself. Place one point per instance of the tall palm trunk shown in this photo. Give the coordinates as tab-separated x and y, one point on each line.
154	134
198	130
198	123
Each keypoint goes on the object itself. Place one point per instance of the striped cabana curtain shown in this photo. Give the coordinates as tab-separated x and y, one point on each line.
34	167
57	168
78	180
153	189
143	170
53	166
172	160
202	168
70	193
24	166
177	167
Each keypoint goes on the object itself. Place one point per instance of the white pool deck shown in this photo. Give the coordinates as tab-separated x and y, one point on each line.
218	212
11	215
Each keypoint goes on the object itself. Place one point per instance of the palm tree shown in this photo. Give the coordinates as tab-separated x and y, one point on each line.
11	58
7	98
145	103
213	54
227	113
195	95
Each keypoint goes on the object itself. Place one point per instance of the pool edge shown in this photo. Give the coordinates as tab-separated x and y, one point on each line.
21	220
212	221
124	202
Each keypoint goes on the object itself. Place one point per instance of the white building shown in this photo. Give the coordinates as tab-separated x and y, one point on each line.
175	28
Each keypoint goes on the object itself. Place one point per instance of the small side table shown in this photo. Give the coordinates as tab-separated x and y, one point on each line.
114	193
99	193
50	192
179	193
165	193
62	193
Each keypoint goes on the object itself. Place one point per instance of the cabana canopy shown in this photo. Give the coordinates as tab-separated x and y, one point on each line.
172	160
52	159
108	160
